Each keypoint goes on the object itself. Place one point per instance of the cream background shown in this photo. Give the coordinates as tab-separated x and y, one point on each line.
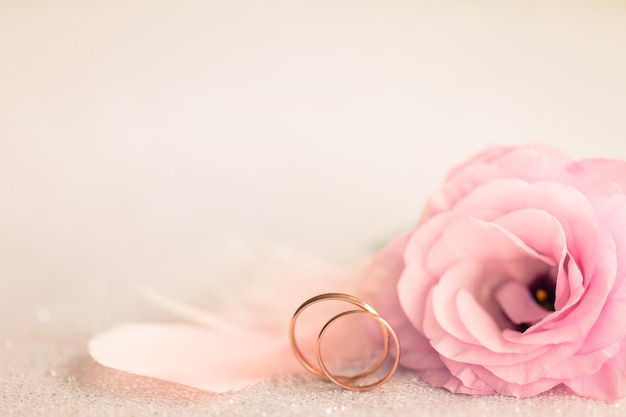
133	134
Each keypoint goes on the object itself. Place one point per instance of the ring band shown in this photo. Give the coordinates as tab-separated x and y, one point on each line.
326	297
342	381
322	371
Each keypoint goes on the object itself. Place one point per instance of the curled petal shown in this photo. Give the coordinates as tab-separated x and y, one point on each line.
517	303
520	390
441	377
606	384
581	226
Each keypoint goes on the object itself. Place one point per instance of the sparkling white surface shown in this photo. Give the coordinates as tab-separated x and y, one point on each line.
55	378
134	133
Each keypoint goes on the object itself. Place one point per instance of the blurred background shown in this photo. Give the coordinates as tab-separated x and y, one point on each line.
135	134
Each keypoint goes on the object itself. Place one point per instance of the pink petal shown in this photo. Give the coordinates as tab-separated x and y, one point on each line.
417	353
415	282
518	304
378	283
533	164
520	390
574	323
443	302
610	326
584	364
539	230
609	200
484	328
492	254
450	347
578	320
610	169
441	377
379	288
580	225
606	384
466	375
475	239
530	163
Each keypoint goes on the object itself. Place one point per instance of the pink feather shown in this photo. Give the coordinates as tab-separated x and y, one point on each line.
241	340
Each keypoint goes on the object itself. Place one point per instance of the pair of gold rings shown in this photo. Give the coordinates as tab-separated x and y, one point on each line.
347	382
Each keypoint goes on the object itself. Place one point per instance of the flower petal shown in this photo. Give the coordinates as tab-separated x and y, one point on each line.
609	169
580	225
606	384
518	304
378	288
530	163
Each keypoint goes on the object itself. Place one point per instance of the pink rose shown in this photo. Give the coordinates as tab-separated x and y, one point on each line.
513	280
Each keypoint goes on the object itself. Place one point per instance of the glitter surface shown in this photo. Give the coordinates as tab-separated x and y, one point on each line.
48	372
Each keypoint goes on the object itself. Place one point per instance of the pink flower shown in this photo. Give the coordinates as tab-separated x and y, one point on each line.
513	280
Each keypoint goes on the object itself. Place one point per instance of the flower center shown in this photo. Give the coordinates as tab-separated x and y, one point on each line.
525	305
541	295
542	290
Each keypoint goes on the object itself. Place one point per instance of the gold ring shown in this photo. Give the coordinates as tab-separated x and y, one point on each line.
341	381
322	371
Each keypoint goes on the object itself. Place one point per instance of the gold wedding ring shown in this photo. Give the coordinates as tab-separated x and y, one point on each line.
321	370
